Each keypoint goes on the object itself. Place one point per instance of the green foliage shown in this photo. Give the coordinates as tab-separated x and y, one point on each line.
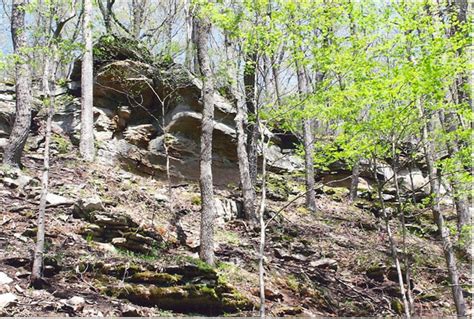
196	200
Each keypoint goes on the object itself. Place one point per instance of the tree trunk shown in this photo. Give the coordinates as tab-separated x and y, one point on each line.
21	126
395	167
393	245
86	145
36	271
438	215
308	141
189	55
206	252
248	192
354	180
250	83
449	124
261	251
138	10
106	13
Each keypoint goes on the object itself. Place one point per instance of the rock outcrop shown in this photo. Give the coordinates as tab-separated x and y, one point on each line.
7	112
141	107
117	228
186	288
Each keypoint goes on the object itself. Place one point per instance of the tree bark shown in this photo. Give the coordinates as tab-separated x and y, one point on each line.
138	10
393	245
36	272
308	141
461	202
86	145
354	180
106	13
250	83
206	253
429	150
189	55
401	213
261	251
21	126
451	121
248	192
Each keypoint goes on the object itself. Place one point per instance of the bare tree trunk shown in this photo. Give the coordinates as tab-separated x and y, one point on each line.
270	95
21	126
449	124
248	192
168	26
106	13
261	252
36	272
438	215
275	73
393	245
308	141
250	85
276	62
206	253
86	145
450	120
354	180
195	58
138	10
400	212
412	184
188	59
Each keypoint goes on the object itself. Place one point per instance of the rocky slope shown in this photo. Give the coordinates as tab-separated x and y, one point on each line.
119	244
114	247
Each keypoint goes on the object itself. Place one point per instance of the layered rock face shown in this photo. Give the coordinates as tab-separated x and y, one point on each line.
144	108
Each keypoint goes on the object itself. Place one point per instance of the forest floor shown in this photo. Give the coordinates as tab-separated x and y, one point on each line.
335	262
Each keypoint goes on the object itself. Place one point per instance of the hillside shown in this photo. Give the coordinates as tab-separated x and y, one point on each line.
114	249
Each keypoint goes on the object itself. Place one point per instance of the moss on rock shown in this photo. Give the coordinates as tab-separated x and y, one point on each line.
277	187
201	299
159	279
337	193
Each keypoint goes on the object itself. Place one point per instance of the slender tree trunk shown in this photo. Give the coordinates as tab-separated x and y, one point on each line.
275	73
429	150
168	26
308	140
248	192
354	180
400	212
138	10
21	126
106	13
195	58
451	121
36	272
261	252
250	84
270	95
276	62
412	184
206	253
86	145
393	245
188	59
448	122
